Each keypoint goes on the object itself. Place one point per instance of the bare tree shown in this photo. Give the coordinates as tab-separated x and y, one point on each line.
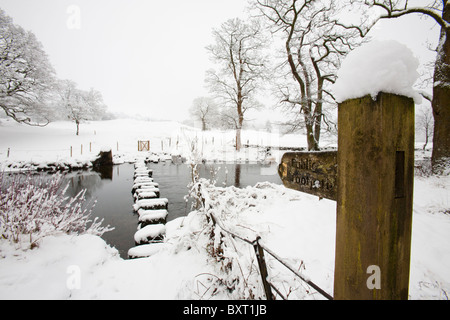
79	105
439	10
314	44
425	124
238	50
26	76
205	110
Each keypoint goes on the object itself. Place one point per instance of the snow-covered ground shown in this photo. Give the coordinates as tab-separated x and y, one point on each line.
28	147
195	263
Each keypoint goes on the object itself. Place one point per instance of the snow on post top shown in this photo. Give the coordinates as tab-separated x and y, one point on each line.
378	66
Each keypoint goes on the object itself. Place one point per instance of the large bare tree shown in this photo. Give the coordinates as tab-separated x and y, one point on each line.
314	44
439	10
238	50
26	76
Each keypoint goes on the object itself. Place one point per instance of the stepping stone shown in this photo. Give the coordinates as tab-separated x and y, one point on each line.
153	158
144	185
145	195
145	250
142	180
143	174
139	164
142	192
151	204
150	233
143	170
147	217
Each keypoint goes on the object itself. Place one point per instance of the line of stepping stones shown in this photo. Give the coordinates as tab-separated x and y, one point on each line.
152	213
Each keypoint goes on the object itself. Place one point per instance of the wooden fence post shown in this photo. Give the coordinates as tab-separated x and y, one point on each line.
374	197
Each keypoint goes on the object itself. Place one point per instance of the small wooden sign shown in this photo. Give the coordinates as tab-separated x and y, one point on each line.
311	172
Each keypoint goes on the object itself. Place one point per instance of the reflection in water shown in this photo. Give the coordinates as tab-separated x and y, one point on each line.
91	181
111	188
106	172
237	175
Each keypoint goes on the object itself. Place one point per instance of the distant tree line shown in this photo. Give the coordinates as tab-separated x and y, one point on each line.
30	93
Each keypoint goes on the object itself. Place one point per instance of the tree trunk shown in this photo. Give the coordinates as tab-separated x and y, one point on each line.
240	121
78	127
238	139
441	102
313	144
427	136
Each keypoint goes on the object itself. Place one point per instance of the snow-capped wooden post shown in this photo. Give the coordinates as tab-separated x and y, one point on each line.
375	171
374	197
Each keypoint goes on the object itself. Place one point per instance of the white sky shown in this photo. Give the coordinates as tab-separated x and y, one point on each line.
148	57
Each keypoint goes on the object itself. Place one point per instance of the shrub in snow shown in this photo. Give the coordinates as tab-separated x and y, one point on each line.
236	265
31	209
378	66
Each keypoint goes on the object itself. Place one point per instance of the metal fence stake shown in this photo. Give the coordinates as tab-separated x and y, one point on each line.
262	268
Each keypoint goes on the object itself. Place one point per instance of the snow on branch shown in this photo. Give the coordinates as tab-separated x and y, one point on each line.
394	9
31	209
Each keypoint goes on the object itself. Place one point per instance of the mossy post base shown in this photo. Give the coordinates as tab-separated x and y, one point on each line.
374	197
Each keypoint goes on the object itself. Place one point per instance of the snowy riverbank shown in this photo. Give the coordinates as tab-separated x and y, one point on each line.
298	227
25	147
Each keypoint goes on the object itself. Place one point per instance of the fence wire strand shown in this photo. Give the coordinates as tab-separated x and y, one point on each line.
276	257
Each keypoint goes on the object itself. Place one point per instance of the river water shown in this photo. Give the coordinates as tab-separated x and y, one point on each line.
112	190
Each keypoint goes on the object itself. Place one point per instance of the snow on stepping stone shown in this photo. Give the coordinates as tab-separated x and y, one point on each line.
148	183
143	193
143	174
142	179
140	165
151	204
143	168
145	250
152	232
144	185
147	217
143	171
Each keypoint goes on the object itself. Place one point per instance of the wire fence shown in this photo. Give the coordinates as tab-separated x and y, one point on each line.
260	248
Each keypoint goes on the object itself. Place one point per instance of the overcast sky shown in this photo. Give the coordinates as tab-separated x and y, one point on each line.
148	57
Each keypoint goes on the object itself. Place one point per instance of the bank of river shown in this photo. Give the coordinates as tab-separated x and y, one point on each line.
112	190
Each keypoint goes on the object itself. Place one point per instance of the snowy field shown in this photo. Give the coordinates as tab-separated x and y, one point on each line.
30	147
298	227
